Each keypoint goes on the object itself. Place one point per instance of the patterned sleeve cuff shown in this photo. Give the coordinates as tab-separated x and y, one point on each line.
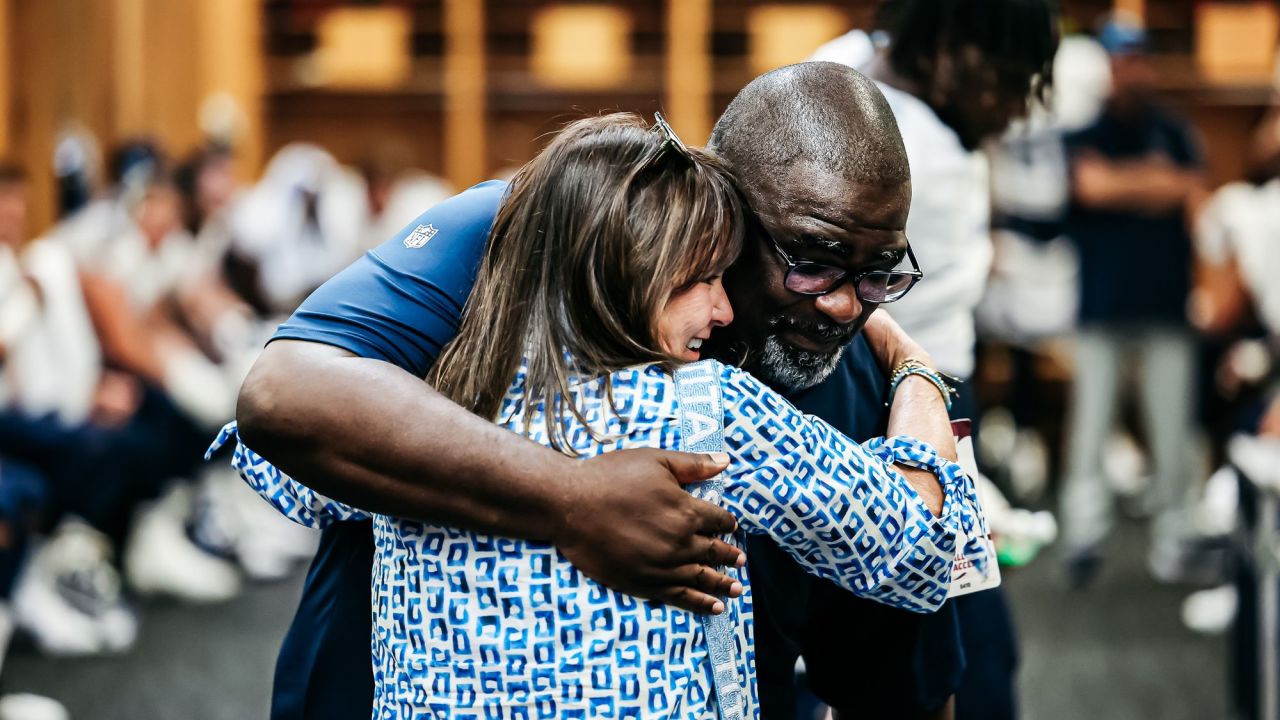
961	510
292	499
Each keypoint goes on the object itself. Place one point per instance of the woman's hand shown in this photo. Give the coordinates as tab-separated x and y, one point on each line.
890	343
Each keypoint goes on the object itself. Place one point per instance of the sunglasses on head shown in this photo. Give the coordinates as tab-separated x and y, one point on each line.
805	277
670	142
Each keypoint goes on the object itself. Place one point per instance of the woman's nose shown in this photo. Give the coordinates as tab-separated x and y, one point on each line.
722	311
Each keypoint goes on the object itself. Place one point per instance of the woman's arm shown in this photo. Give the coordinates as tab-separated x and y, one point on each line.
843	510
294	500
919	409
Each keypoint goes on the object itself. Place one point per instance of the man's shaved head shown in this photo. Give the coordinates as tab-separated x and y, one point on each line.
822	113
817	153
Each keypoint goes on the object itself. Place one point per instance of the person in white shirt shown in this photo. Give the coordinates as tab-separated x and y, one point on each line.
136	263
955	74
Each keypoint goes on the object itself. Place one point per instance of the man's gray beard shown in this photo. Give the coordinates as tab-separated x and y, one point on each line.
791	368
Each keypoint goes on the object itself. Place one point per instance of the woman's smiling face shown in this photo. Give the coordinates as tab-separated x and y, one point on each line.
689	316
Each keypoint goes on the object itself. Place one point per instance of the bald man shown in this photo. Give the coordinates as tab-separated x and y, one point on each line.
337	401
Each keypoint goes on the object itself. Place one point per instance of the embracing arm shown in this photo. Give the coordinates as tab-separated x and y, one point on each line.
918	409
372	435
844	511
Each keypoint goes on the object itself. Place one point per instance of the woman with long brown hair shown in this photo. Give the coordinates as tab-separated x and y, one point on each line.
601	280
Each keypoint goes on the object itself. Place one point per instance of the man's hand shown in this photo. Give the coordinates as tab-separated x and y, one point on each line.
369	434
628	525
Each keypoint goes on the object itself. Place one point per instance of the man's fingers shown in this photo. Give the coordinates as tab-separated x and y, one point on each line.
692	600
711	519
719	553
695	467
709	580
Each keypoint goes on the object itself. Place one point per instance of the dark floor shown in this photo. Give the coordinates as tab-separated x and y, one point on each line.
190	663
1116	652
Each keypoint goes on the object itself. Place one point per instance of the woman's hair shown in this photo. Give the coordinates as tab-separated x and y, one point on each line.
594	236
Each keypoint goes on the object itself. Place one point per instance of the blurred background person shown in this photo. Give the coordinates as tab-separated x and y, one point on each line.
135	261
71	421
1032	293
300	224
1236	301
1136	179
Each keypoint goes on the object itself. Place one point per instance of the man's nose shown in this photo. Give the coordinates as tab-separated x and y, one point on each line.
841	305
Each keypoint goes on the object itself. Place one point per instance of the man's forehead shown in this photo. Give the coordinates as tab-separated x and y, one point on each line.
826	201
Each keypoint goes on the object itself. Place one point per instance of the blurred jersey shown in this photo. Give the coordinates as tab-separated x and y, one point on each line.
104	239
52	361
1134	267
1033	291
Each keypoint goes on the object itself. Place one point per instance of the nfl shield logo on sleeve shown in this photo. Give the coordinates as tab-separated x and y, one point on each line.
420	236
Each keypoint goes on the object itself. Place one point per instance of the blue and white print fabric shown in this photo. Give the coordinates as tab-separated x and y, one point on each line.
471	626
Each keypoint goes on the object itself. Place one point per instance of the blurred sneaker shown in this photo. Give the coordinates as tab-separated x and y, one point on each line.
1186	561
270	545
1081	567
160	559
1217	513
69	597
25	706
231	515
1211	611
6	631
1125	466
998	437
213	525
1022	534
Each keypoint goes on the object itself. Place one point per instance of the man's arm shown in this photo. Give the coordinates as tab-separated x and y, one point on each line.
370	434
1151	185
126	340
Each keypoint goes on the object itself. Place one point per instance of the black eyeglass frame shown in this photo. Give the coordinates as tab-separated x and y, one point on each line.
915	273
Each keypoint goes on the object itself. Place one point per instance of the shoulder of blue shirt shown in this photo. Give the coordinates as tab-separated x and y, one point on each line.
401	303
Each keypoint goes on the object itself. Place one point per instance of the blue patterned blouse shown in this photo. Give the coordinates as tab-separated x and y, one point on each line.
472	626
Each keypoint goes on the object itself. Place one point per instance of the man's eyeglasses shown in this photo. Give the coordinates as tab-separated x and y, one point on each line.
805	277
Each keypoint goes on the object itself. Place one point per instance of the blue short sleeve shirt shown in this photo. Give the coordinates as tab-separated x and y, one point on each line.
403	300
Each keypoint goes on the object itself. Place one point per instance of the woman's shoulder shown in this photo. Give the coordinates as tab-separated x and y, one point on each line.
734	385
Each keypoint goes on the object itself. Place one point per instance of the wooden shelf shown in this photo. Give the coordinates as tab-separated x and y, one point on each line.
519	108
